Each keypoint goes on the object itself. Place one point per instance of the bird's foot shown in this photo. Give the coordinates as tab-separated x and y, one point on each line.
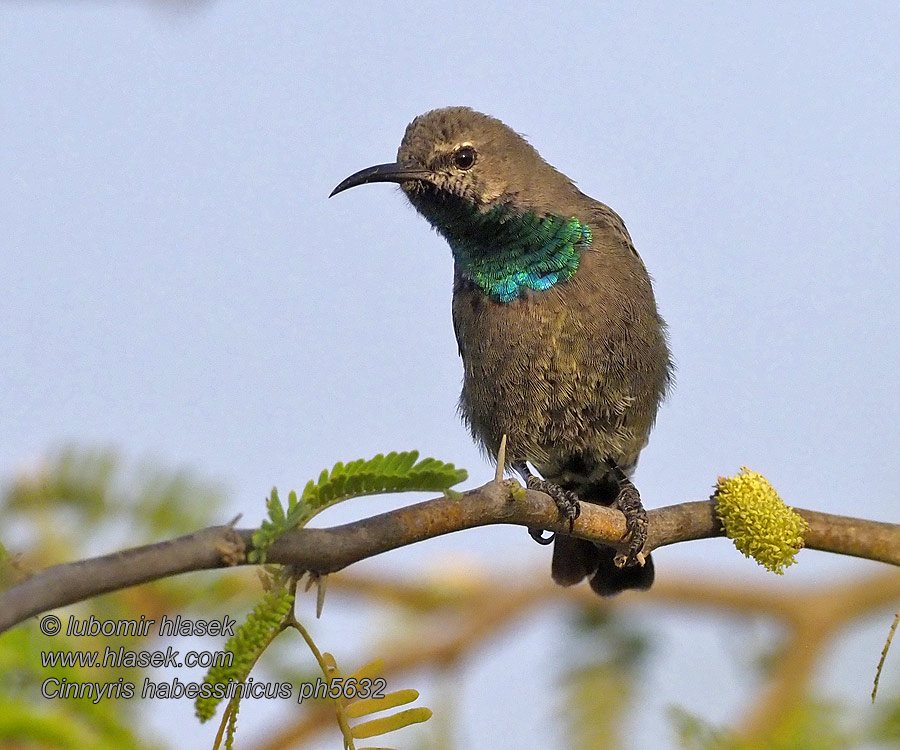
566	500
629	502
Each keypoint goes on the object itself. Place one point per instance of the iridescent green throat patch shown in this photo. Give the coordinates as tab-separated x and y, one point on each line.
505	253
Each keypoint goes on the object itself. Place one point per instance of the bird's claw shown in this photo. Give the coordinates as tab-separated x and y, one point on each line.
566	500
629	502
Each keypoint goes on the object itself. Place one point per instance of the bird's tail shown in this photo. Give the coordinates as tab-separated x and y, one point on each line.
576	559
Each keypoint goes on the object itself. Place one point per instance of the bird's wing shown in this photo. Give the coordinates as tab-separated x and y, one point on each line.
604	216
456	332
457	282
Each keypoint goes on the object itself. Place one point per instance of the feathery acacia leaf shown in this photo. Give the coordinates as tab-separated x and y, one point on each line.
391	723
394	472
247	643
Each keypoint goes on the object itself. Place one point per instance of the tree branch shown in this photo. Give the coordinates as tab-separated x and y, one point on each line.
328	550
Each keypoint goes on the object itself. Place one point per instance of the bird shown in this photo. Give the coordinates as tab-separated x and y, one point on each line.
564	352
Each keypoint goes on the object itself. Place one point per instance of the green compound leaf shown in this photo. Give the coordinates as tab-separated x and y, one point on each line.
232	726
369	670
759	522
394	472
391	723
246	645
352	706
368	706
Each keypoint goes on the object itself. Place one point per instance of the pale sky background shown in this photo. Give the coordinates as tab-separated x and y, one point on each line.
175	283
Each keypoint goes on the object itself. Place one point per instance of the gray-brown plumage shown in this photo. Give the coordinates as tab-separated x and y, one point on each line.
563	349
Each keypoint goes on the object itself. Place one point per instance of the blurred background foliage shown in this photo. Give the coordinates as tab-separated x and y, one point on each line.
77	502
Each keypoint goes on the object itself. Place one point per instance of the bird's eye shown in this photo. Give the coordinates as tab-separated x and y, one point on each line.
464	157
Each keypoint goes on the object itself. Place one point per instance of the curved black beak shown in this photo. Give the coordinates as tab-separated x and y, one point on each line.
396	172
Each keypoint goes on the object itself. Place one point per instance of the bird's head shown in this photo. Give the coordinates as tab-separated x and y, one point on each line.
508	216
456	157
